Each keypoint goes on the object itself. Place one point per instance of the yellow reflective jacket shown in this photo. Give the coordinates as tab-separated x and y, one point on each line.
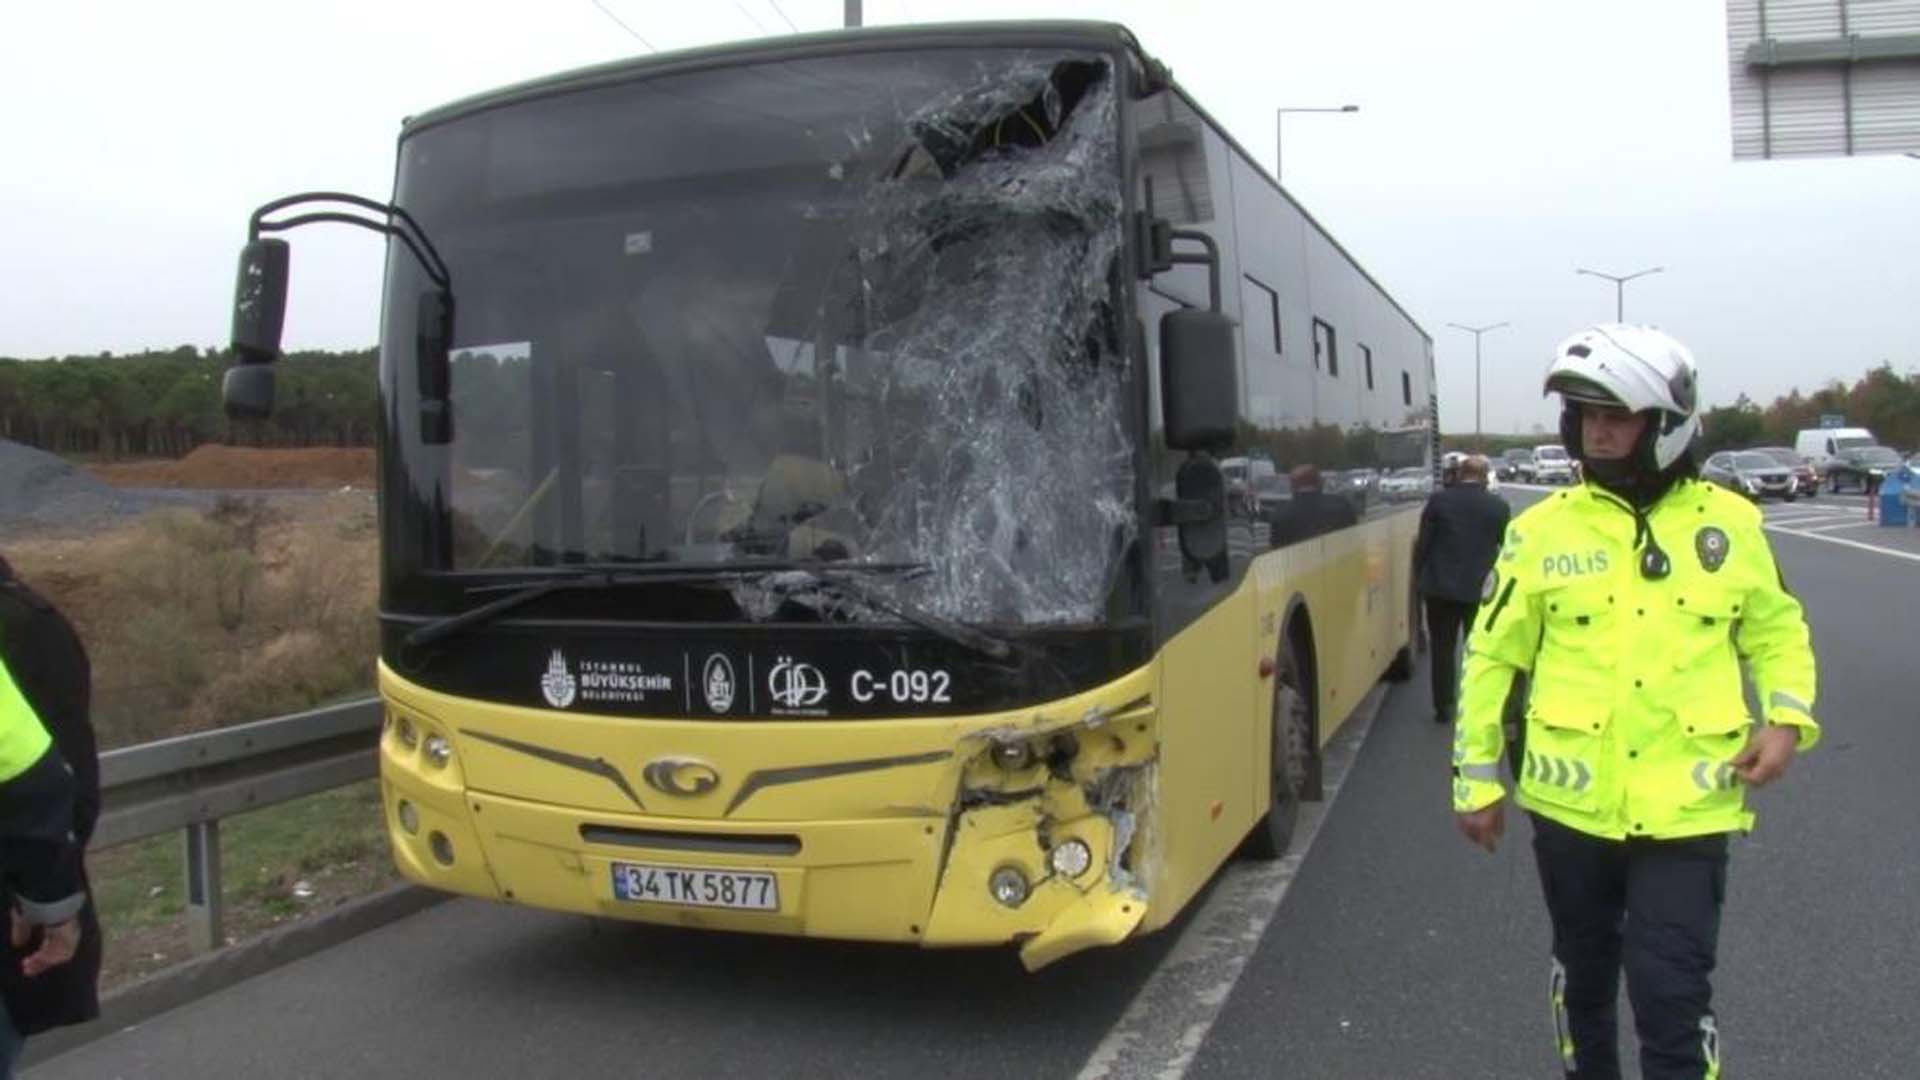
1635	706
23	738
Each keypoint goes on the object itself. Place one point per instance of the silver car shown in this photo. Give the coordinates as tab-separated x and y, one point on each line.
1750	473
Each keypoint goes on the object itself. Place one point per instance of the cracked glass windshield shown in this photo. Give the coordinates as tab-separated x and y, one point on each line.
850	309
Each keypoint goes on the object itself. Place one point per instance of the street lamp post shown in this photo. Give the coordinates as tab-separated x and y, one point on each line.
1278	130
1476	331
1619	287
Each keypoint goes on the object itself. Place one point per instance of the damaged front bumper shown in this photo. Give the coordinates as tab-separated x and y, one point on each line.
1034	798
1033	828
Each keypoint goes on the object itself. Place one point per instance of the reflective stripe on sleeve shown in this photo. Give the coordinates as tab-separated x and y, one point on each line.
1478	772
1782	699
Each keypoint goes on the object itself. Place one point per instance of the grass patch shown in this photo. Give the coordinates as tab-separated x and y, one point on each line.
279	864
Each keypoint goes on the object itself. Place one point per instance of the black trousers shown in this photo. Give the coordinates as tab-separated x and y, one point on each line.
1651	907
1446	627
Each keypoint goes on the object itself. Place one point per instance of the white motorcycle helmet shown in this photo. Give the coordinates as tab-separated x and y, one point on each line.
1636	368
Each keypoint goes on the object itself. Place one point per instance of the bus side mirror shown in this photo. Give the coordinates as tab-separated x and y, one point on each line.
1200	514
246	391
1199	384
259	313
260	301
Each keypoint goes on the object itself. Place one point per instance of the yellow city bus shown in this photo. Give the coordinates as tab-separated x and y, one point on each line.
801	508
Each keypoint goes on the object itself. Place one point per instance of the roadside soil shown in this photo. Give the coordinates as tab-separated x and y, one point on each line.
246	468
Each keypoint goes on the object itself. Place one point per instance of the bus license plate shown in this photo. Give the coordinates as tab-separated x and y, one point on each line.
745	890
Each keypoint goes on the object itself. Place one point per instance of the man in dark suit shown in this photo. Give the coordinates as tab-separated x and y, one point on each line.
1309	511
1461	529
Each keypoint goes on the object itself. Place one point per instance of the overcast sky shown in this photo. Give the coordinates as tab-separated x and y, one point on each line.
1500	144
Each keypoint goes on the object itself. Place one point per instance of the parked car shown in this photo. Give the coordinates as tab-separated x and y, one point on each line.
1243	476
1861	466
1552	465
1415	482
1271	493
1806	479
1750	473
1234	471
1354	485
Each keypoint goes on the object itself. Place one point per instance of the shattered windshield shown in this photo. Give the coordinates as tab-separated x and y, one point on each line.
856	308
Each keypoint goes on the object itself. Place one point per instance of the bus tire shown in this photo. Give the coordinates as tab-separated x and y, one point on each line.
1291	760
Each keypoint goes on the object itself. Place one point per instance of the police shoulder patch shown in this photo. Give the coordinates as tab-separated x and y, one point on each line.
1711	544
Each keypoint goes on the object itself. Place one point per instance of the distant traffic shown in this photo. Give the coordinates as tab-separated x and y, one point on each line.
1834	459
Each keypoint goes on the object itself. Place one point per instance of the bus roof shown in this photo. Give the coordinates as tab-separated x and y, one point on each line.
1062	33
1050	33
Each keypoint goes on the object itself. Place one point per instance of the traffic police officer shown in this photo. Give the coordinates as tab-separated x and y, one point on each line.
44	656
1630	600
39	856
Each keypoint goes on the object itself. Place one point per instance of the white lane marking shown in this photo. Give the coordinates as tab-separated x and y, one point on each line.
1803	517
1822	537
1832	525
1168	1020
1815	521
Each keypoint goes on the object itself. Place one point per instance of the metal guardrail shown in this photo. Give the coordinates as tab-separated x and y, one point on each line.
190	782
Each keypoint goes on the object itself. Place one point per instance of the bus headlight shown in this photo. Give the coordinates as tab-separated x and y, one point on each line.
409	817
404	731
438	751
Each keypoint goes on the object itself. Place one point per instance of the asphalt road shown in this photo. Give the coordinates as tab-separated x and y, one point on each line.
1397	951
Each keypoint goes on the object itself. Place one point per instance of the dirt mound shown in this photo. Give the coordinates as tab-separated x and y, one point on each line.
244	467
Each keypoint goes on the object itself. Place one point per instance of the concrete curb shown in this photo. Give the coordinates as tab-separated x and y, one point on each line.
138	1002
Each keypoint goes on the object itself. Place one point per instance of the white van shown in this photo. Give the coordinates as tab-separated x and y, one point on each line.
1820	445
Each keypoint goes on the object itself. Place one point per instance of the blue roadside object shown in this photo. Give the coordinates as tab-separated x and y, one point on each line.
1894	500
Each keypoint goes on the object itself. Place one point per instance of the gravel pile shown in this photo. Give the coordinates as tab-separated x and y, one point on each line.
37	488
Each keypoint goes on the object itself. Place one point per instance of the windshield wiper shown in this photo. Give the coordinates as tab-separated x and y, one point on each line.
957	632
518	593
